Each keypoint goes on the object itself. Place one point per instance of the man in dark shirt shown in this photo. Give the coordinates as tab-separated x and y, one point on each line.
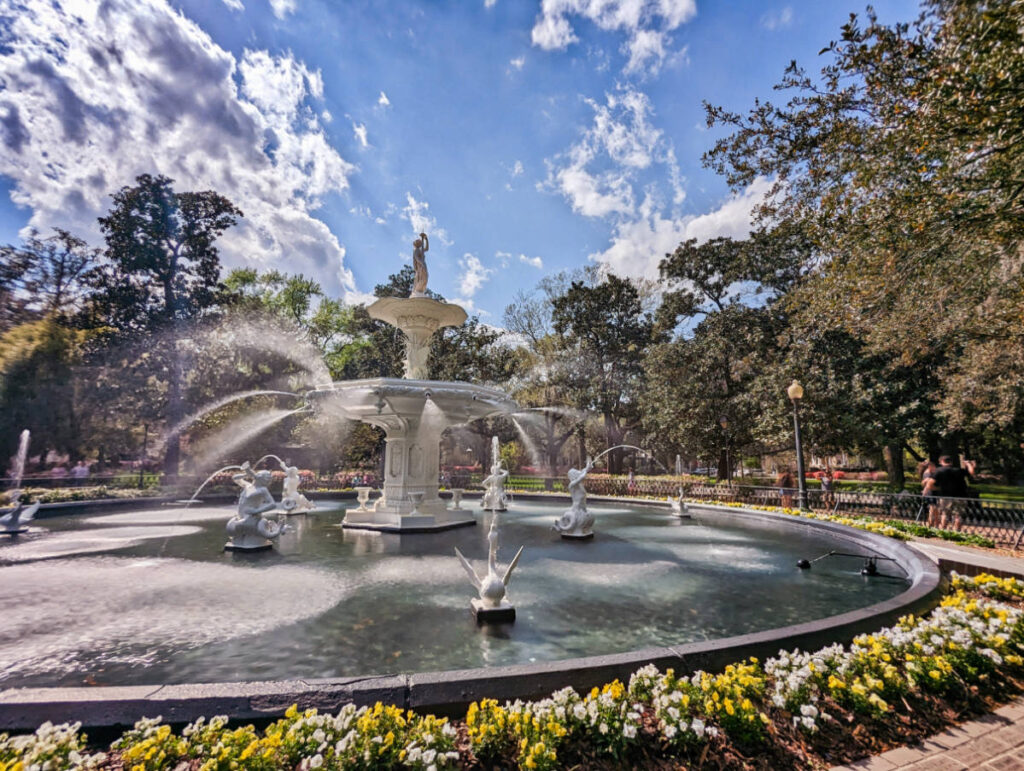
949	482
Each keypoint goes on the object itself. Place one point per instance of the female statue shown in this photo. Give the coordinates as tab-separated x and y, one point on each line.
419	263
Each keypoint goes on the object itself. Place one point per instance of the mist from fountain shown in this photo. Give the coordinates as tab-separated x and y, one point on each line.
206	409
237	433
531	448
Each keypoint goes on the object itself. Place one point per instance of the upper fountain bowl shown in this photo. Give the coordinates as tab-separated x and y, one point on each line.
382	401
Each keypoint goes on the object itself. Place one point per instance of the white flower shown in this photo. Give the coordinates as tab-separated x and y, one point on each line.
629	731
319	735
809	723
697	726
808	710
669	731
316	761
603	728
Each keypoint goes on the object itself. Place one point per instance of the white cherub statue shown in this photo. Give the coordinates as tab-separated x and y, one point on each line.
577	522
248	530
292	501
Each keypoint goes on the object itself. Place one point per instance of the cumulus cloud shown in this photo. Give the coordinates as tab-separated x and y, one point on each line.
639	244
535	262
417	214
282	8
646	24
383	100
234	5
474	275
517	169
359	129
778	19
517	63
100	94
597	174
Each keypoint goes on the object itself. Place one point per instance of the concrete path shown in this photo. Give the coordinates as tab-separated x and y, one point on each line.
968	560
994	742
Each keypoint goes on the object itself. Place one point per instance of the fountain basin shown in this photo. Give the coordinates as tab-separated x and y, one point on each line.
314	623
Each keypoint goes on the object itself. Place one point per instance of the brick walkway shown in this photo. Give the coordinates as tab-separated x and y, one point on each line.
994	742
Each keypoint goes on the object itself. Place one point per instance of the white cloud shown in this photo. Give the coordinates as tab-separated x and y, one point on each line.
639	244
517	169
489	3
535	262
234	5
517	63
359	129
596	175
383	100
102	93
282	8
474	275
777	20
646	24
416	212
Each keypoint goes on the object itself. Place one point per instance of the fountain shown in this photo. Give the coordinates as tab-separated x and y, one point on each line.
576	524
363	496
457	493
248	530
492	606
495	498
413	412
16	519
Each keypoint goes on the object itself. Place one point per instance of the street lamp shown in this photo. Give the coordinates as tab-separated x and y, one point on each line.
796	393
724	423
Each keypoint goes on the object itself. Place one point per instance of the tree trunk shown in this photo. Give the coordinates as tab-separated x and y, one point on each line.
894	466
723	464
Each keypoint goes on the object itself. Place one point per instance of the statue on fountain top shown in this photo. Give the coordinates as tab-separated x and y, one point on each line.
577	522
420	247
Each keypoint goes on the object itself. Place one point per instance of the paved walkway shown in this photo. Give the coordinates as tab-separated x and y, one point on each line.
969	560
994	742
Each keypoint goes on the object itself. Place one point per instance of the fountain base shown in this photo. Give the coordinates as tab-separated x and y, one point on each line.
578	536
229	546
385	522
486	614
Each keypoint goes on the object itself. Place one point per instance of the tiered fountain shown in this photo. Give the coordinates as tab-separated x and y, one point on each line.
413	412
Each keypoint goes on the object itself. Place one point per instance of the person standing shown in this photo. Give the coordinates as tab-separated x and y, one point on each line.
785	484
80	472
949	483
827	485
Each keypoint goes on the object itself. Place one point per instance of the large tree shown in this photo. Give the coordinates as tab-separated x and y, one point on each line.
610	332
902	162
162	270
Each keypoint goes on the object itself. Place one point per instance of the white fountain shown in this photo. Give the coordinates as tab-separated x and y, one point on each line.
495	498
576	524
15	520
492	606
248	530
413	412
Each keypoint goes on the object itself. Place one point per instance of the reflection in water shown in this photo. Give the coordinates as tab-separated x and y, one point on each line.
165	604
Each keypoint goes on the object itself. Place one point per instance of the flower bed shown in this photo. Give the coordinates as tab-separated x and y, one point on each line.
796	710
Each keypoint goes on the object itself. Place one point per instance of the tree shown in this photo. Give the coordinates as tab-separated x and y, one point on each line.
902	164
163	269
610	332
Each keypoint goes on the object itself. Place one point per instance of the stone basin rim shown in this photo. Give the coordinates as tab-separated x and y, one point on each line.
449	692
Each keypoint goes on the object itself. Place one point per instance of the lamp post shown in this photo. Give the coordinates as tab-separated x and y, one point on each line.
796	393
724	423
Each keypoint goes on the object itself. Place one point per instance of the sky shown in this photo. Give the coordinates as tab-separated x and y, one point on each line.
525	137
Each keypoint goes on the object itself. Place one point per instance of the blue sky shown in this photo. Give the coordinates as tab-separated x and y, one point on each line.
525	137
